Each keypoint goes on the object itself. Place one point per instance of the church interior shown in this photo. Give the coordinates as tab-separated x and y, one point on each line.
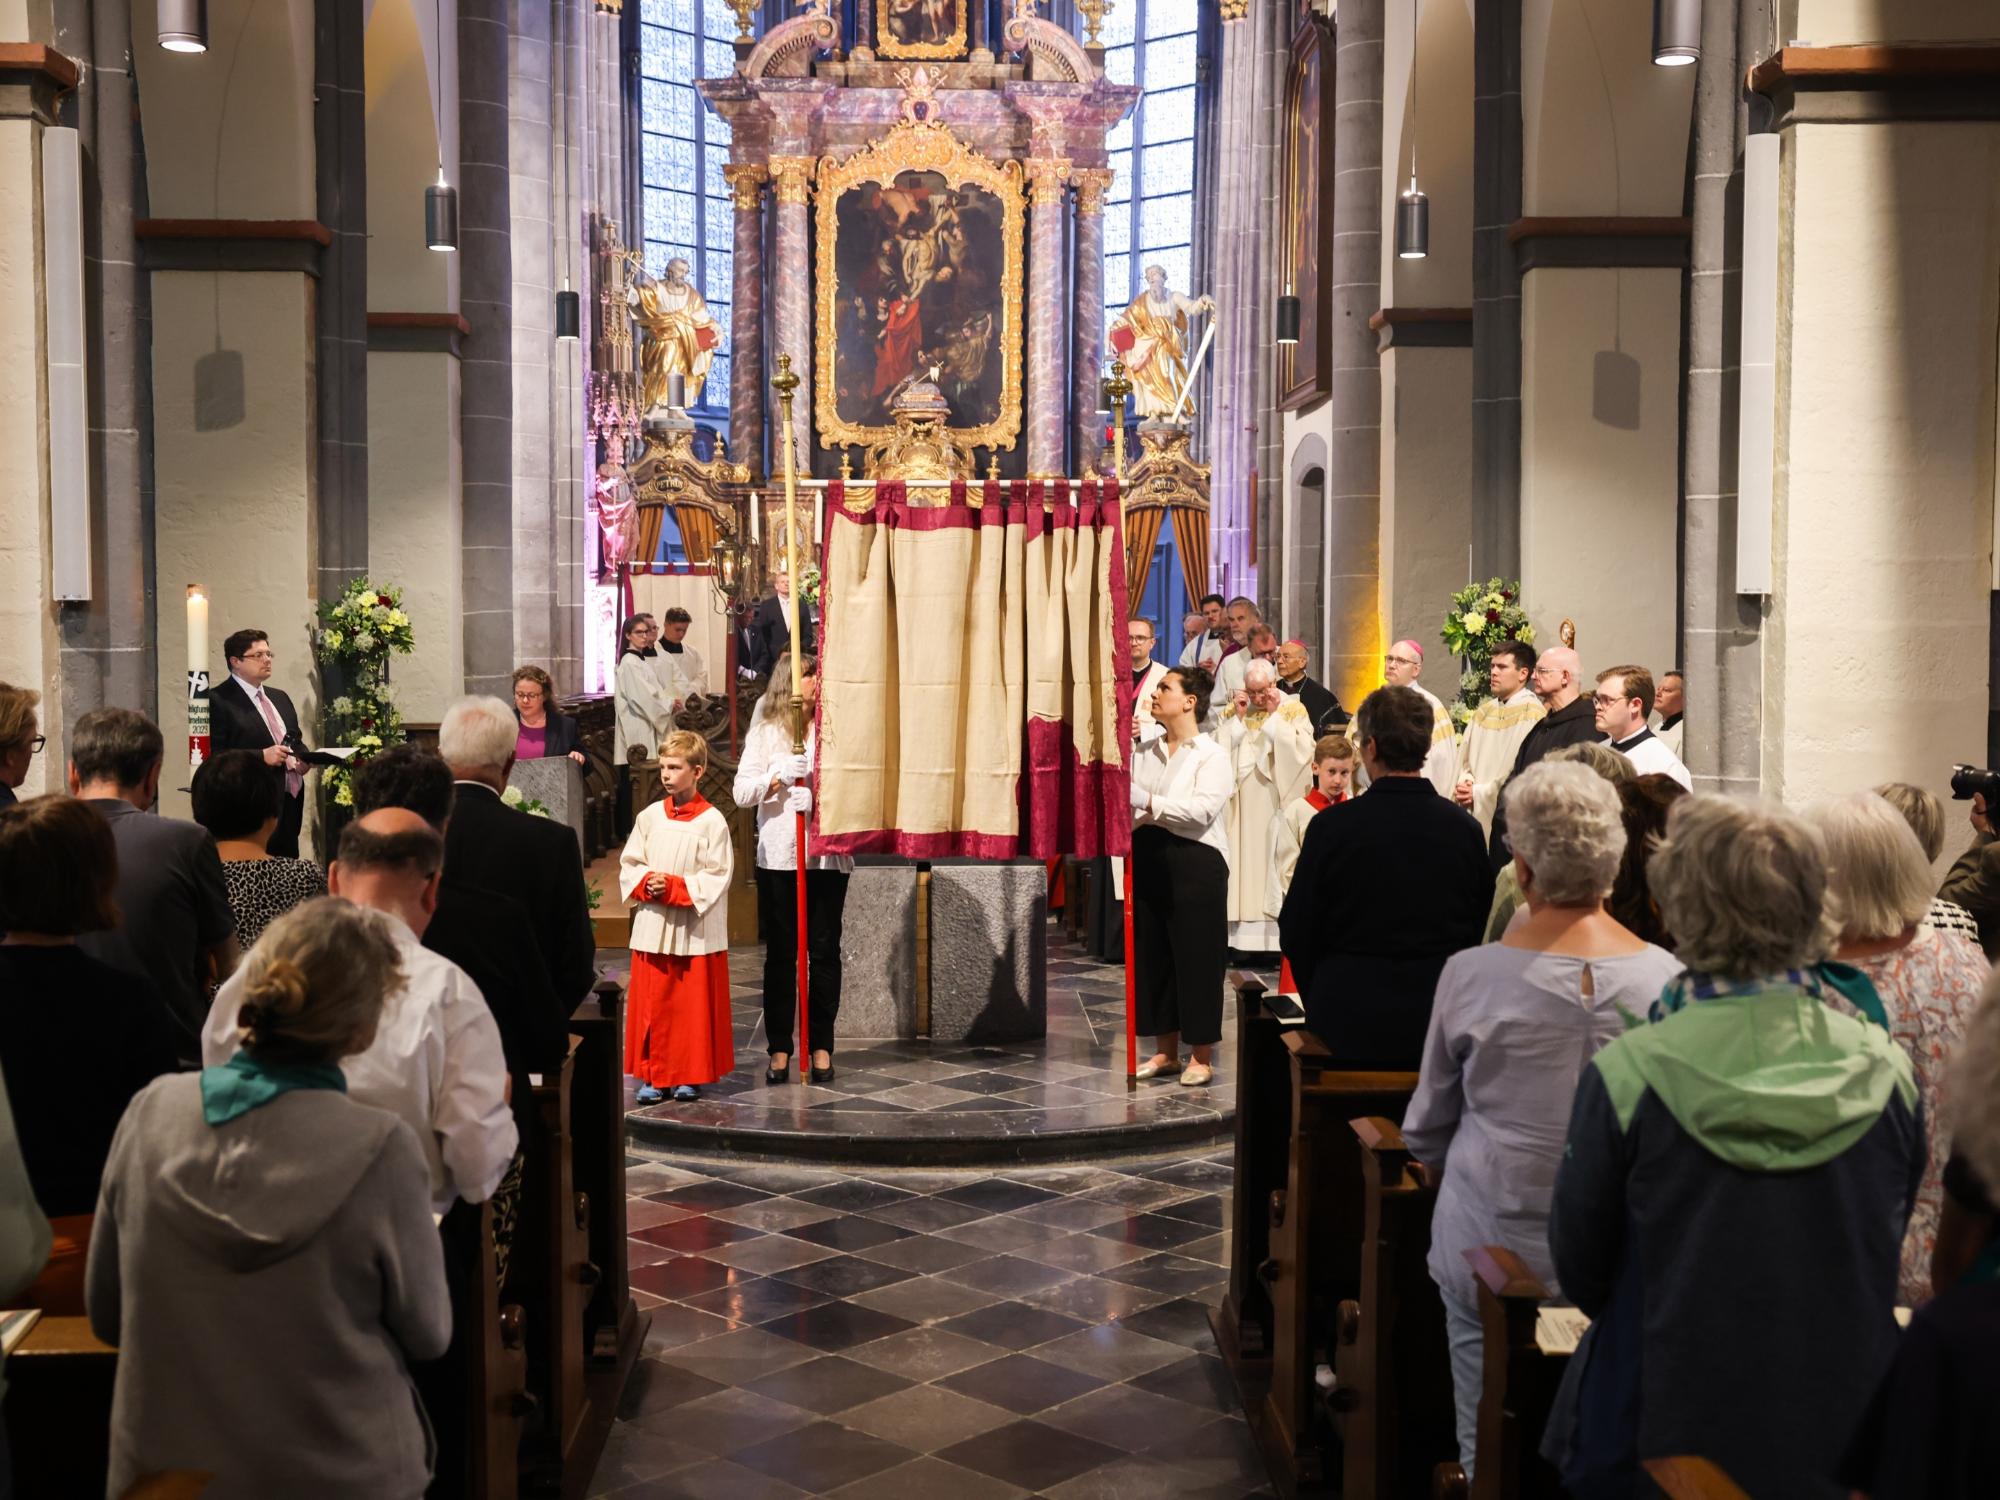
894	457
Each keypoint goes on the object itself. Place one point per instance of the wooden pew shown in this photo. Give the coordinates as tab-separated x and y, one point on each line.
613	1329
496	1396
552	1276
1517	1388
59	1409
1243	1321
1317	1224
1392	1399
1690	1478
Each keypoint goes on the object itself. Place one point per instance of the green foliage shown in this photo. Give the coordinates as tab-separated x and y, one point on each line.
357	634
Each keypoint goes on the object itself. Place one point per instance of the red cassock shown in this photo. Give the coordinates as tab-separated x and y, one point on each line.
897	349
677	1019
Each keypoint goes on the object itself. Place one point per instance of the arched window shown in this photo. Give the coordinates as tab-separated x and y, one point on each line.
683	149
1149	211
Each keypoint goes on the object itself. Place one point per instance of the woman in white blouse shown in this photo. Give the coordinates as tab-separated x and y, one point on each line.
1179	881
765	778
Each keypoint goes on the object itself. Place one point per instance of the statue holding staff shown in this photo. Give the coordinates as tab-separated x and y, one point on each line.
1150	337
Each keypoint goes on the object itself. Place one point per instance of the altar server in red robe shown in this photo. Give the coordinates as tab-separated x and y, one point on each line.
1333	774
676	870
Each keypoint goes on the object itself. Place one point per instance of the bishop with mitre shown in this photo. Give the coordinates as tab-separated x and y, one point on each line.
681	337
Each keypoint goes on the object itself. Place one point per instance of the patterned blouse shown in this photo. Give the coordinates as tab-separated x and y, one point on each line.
1930	989
263	890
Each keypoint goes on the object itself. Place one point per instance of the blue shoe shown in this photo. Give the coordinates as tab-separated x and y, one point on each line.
683	1092
649	1095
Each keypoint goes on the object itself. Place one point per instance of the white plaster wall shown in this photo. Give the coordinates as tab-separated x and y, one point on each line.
234	508
1827	23
414	516
404	275
1599	503
28	648
1426	499
1440	81
1889	310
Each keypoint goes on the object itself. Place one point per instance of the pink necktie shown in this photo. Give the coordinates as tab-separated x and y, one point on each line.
293	781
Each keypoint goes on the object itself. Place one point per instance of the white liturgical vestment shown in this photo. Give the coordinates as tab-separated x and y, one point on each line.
1492	740
1271	756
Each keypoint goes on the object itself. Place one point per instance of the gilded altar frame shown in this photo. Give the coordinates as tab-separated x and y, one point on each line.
953	44
920	143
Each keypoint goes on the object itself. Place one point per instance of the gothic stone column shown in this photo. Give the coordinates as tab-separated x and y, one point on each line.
1045	289
793	276
1087	319
746	317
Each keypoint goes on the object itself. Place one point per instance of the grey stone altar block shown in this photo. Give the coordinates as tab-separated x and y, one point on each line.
556	784
989	952
878	952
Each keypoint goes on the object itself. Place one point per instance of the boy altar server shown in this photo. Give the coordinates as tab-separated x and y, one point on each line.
1333	774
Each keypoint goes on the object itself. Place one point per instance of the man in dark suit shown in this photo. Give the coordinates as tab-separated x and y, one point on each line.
771	633
1388	886
535	861
1571	720
1321	706
246	713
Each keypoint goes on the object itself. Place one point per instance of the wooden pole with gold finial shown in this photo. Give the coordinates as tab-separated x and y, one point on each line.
1116	388
786	384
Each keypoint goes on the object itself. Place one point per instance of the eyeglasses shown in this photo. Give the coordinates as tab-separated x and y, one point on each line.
257	656
1606	700
35	744
1401	661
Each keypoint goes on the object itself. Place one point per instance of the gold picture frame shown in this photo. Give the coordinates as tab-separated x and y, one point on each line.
950	43
919	144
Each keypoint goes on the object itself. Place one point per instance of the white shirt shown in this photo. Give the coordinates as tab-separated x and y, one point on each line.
643	712
768	742
1204	650
1188	791
1651	757
682	672
1142	698
435	1064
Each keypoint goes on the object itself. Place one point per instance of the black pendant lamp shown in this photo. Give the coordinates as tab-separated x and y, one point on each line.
1413	223
569	315
1676	33
1288	318
184	25
441	214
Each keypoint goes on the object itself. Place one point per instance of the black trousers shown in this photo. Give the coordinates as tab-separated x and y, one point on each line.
778	915
1179	891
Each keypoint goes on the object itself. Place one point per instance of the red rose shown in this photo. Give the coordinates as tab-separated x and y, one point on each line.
382	599
1492	617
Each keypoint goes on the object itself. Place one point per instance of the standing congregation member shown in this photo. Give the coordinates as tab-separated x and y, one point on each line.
1713	1160
20	738
771	631
1146	673
435	1061
1268	740
1499	725
1927	983
1512	1027
1624	699
1648	802
1973	881
1179	881
1508	905
175	929
546	731
1333	774
263	1255
679	665
494	847
1669	706
644	714
1388	886
676	869
236	801
58	872
1400	666
766	778
1322	707
247	713
1570	720
1205	649
26	1239
1194	625
1925	815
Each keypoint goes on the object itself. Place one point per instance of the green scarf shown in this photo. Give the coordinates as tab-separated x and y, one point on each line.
243	1084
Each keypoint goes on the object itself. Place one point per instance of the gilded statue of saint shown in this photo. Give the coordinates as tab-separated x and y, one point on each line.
681	337
1150	336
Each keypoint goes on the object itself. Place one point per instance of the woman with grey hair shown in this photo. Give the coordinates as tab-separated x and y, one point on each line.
1925	815
1927	982
1734	1187
1511	1028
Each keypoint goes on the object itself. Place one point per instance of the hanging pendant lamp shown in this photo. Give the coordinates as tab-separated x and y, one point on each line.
184	25
569	315
1413	223
1676	33
441	214
1288	318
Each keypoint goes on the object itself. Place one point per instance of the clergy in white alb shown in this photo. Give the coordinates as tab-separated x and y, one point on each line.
642	709
1493	737
1269	741
677	665
1400	667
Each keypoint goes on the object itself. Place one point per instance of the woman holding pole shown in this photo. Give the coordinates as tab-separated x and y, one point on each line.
1178	885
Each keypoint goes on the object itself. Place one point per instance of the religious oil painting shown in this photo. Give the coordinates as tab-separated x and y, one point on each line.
919	284
920	28
1305	369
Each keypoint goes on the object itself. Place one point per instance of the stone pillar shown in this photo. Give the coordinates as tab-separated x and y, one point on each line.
1354	454
531	148
1496	288
1087	318
341	301
792	329
1046	394
746	317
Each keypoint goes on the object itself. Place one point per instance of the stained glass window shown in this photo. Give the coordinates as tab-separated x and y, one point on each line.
1149	218
682	151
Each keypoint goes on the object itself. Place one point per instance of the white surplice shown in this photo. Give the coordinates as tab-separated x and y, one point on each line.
1271	756
1492	740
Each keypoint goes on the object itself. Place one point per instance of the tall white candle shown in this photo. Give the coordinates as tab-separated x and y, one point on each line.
819	516
756	517
197	628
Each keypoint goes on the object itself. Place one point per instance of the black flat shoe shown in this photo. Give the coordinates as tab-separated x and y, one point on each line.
822	1075
775	1076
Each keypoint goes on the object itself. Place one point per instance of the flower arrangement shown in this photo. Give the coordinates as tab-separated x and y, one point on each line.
1482	617
357	634
809	583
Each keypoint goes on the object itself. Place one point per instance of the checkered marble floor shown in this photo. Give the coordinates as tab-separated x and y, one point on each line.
889	1333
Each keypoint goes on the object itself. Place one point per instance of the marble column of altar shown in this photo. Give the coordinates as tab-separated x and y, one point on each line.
746	318
1087	319
1046	393
792	328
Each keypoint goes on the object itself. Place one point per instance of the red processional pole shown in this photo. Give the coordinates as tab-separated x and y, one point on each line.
785	383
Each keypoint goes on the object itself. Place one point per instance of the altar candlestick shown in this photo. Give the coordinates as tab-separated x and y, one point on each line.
197	630
756	517
819	516
197	675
